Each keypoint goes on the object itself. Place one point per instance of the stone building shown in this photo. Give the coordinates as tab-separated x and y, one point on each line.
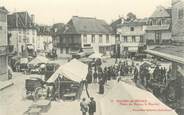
178	22
56	32
132	40
44	39
158	30
23	32
3	45
88	35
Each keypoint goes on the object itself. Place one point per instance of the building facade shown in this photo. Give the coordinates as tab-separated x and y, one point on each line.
23	33
44	39
131	37
158	30
3	45
88	35
56	32
178	21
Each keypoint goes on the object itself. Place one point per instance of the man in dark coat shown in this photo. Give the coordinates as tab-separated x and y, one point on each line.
92	106
136	74
89	77
101	86
95	75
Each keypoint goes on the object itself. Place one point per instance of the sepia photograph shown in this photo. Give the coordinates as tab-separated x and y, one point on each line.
91	57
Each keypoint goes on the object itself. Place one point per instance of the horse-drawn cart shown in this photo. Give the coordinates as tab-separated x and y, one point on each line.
35	88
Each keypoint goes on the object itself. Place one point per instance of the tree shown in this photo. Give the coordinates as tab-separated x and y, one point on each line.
131	16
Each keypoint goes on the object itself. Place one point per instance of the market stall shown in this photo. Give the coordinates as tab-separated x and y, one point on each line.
68	79
38	64
125	99
38	59
96	55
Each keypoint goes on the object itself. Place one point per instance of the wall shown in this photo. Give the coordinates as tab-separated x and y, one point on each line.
3	45
177	24
3	29
97	42
126	31
19	34
165	35
41	40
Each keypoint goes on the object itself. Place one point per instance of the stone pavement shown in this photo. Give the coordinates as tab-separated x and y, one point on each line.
73	107
93	92
8	83
5	84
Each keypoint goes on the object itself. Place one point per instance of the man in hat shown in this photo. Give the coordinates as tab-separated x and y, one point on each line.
92	106
83	106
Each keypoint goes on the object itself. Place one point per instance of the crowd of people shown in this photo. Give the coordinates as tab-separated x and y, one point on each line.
97	74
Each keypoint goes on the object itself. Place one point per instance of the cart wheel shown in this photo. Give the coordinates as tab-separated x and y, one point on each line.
40	93
36	95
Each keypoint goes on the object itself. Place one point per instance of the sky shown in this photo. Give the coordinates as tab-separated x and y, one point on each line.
60	11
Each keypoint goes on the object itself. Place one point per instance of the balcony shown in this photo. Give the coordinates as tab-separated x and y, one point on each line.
157	27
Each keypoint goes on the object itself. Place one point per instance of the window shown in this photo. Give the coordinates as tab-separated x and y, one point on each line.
180	13
125	39
93	38
141	39
3	17
100	39
133	39
131	28
1	28
85	38
107	38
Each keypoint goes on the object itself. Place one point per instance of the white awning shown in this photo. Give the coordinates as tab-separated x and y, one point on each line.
95	55
39	59
73	70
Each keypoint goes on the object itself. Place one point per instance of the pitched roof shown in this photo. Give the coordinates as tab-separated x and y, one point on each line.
115	23
57	29
3	9
85	25
161	12
20	20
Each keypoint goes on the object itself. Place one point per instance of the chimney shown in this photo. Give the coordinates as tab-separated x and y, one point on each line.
33	18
